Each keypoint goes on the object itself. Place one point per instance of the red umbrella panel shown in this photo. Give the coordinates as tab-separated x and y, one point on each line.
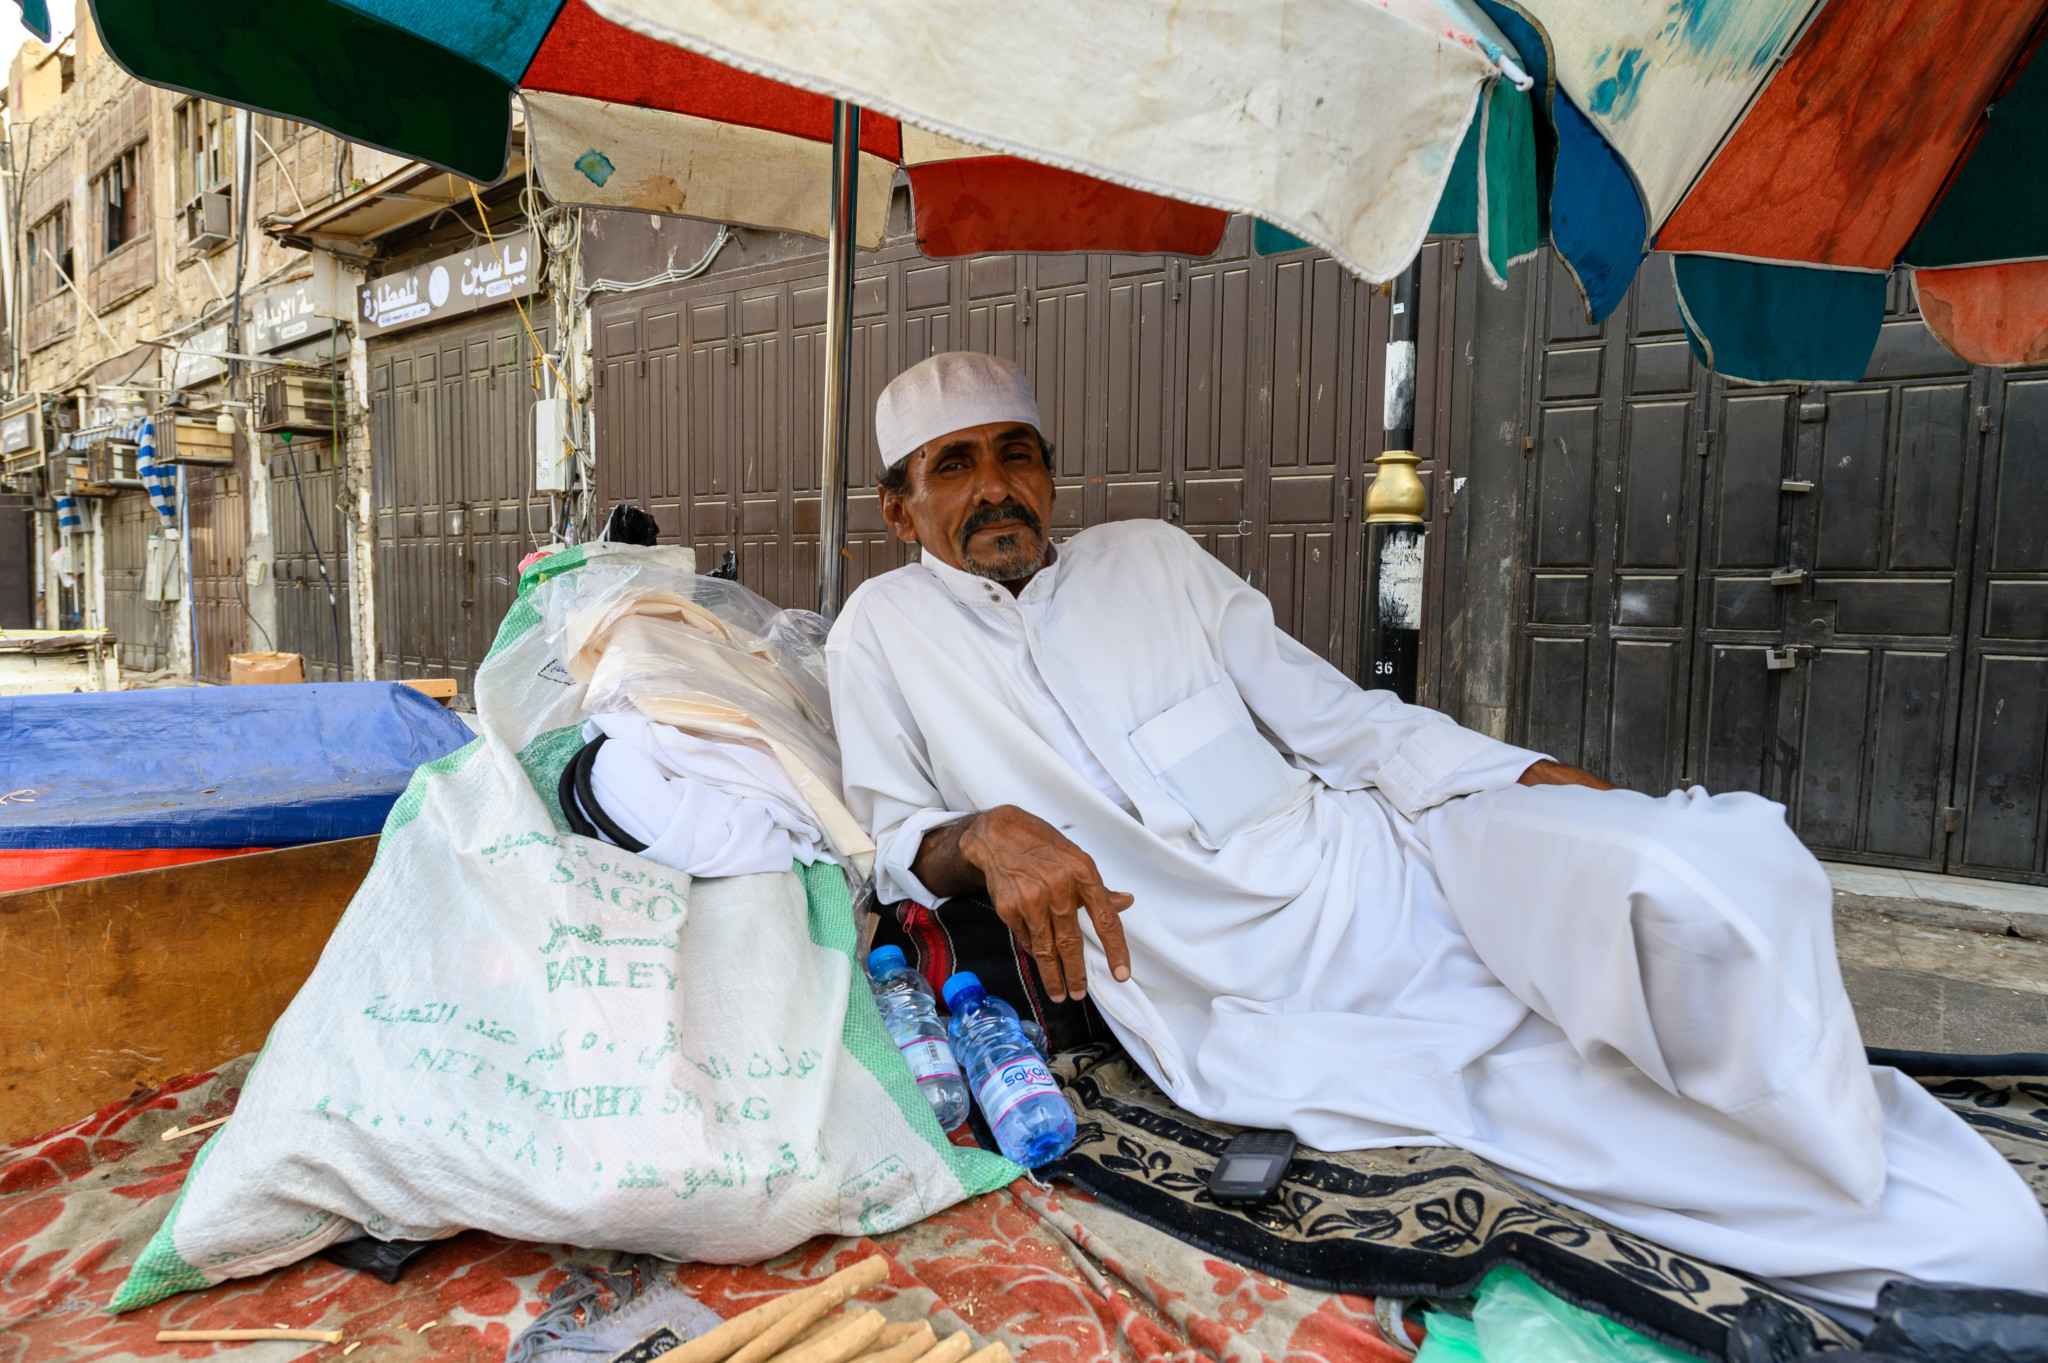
616	119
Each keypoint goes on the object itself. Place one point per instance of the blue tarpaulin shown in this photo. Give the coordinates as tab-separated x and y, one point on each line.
213	766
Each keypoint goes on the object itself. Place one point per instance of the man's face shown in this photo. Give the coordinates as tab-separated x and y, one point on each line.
979	500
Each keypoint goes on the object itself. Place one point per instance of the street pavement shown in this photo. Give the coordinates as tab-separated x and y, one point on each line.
1943	963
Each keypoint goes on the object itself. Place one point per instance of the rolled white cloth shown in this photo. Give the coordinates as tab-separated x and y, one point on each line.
702	807
949	392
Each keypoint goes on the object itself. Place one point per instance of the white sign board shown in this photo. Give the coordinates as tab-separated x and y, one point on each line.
495	272
197	358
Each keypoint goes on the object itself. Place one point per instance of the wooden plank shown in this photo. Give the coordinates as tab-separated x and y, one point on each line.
440	688
125	981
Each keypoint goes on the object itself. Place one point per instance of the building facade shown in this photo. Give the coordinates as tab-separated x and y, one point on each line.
137	272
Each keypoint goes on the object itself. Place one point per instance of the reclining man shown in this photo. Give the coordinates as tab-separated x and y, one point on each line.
1301	904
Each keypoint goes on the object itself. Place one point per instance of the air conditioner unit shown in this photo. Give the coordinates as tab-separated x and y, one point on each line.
23	441
212	218
109	463
300	403
195	440
85	480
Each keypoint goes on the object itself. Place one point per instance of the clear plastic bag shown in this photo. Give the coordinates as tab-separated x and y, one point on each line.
713	659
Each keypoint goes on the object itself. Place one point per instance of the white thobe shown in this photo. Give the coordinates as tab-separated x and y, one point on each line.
704	807
1631	1004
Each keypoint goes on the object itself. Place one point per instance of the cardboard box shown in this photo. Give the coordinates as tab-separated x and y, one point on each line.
265	669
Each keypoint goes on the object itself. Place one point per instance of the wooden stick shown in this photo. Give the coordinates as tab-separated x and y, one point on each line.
912	1345
892	1334
178	1131
951	1349
853	1336
818	1327
744	1330
230	1336
994	1353
895	1333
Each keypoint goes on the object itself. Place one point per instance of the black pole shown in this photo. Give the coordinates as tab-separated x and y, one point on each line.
838	403
1395	505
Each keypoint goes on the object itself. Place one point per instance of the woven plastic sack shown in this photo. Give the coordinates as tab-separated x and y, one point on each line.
528	1032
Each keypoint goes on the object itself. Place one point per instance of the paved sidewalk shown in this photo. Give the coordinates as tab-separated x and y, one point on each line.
1943	963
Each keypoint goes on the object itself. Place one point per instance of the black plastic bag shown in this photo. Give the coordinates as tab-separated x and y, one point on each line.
1947	1323
1767	1330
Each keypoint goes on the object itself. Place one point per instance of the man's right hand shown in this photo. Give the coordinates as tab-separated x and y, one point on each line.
1039	882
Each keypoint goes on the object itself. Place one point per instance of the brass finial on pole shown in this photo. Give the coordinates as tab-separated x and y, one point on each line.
1396	508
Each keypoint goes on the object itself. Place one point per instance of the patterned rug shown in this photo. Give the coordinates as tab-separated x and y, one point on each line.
1431	1222
1056	1276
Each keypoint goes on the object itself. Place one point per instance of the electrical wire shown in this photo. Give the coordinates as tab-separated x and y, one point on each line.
560	228
242	600
666	276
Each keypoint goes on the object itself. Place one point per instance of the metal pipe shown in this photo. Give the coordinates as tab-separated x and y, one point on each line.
186	605
1396	504
838	395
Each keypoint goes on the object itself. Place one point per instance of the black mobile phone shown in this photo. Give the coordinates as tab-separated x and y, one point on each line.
1251	1168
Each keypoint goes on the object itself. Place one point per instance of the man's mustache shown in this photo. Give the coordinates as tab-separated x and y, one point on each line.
983	516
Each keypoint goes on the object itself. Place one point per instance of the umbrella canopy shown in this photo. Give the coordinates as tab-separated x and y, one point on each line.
1790	152
616	119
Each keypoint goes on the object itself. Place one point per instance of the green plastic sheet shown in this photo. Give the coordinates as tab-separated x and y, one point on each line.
1515	1321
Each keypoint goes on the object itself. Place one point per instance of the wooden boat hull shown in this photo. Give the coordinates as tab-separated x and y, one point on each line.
121	982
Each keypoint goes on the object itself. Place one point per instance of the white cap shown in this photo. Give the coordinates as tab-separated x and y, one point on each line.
948	393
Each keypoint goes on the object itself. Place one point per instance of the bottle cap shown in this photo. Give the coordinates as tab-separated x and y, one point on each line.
883	959
958	985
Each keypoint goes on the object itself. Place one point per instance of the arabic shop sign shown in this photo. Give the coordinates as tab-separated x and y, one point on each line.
18	432
489	274
198	357
287	316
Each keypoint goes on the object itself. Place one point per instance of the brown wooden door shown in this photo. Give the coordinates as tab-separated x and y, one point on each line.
1238	396
1789	589
218	517
142	628
309	623
451	412
17	561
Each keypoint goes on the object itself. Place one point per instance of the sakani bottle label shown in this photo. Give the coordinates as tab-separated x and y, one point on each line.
1010	1083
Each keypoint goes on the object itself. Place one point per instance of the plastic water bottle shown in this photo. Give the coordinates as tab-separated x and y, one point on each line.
912	1017
1031	1120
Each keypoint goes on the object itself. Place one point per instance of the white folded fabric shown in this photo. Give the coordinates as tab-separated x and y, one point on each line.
702	807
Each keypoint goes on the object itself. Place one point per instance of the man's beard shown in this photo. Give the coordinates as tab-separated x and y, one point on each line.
1013	561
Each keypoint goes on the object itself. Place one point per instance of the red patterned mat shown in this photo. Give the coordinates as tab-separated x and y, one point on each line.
1056	1276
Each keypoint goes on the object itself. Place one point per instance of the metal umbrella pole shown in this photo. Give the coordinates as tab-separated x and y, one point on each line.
1395	506
838	356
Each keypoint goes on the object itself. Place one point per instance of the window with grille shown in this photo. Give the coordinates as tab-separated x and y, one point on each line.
49	255
203	159
117	191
